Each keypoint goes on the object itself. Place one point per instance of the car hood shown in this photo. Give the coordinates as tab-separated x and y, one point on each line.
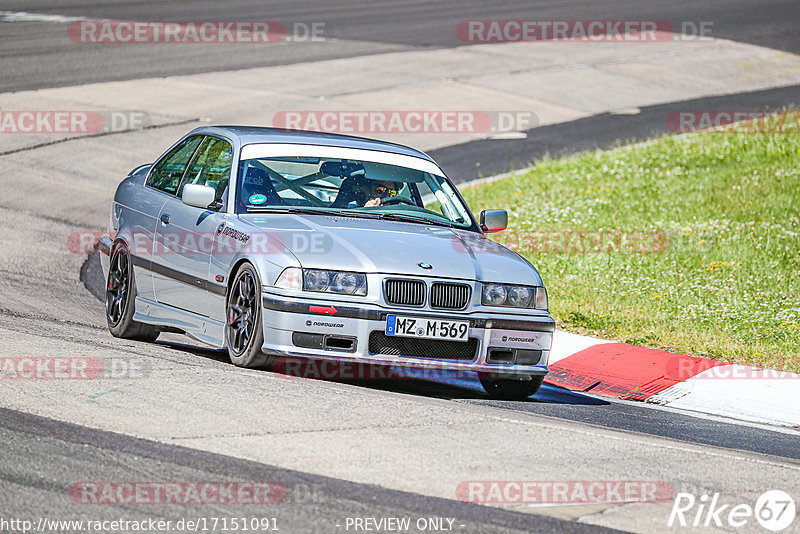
373	245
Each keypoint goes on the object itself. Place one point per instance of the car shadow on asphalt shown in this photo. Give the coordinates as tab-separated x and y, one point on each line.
434	383
219	355
442	384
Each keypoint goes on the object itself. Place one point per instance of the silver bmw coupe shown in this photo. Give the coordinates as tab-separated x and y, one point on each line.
275	243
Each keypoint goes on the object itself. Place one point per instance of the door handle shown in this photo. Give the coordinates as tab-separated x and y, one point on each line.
165	218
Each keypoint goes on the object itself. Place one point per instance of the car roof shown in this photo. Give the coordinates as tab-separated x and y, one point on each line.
248	135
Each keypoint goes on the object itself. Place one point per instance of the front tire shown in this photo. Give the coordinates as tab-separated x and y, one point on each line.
510	388
244	331
121	299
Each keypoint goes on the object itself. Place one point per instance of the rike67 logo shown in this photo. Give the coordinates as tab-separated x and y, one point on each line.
774	510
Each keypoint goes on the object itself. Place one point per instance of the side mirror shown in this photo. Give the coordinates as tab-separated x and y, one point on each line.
494	220
198	196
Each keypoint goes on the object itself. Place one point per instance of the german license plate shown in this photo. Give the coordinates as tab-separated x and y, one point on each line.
427	328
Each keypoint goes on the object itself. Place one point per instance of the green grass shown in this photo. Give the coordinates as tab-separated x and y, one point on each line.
727	283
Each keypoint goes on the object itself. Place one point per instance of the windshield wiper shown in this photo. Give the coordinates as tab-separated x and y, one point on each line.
270	209
304	211
412	218
347	213
308	211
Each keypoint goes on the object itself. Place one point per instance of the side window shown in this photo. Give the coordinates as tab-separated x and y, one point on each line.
211	166
166	175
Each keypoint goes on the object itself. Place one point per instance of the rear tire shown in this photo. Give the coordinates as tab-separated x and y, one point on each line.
510	388
121	299
244	330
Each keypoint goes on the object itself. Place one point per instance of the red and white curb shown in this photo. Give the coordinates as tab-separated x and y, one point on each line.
686	382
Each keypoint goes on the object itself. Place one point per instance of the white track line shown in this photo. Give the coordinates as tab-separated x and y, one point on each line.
22	16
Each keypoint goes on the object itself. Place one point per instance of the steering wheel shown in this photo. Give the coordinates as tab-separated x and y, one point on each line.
397	200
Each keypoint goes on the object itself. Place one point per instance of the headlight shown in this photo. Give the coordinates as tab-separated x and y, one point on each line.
519	297
315	280
514	296
347	283
334	282
494	295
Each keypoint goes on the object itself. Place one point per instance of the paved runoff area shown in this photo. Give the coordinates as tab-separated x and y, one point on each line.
185	400
427	99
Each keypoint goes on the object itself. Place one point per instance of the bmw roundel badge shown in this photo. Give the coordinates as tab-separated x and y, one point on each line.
425	265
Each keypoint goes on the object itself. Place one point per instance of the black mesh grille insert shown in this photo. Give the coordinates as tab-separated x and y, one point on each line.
405	292
380	343
450	296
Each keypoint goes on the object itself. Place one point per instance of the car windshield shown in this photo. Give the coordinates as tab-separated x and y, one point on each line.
349	187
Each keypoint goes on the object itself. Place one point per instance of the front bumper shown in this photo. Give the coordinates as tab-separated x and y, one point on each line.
322	329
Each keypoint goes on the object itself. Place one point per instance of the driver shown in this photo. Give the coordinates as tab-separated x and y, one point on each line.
379	190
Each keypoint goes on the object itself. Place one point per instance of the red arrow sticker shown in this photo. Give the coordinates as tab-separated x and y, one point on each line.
327	310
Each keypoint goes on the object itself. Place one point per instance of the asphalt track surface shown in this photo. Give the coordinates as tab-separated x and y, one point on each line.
39	54
43	458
